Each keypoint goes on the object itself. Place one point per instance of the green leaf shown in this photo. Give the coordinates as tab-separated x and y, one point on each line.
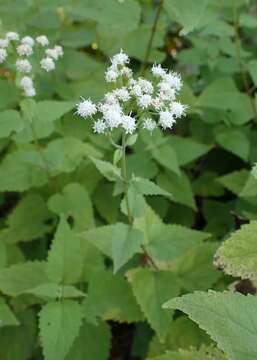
151	288
119	241
108	170
65	262
9	94
187	13
74	202
229	318
17	279
166	156
10	121
187	149
55	291
204	353
126	242
28	221
236	142
111	298
252	66
237	255
59	324
7	318
93	342
234	181
179	187
169	242
147	187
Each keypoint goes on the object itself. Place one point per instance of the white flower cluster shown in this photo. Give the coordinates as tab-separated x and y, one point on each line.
25	48
135	102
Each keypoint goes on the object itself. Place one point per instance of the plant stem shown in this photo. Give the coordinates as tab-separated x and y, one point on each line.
153	31
125	177
239	60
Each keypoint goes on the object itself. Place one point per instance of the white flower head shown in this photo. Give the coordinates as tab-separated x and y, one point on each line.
149	124
28	40
12	36
120	59
178	109
4	43
146	86
55	53
42	40
136	90
47	64
111	75
30	92
128	124
24	50
23	65
126	72
166	120
174	80
3	55
86	108
122	94
158	71
99	126
144	101
113	117
59	50
26	82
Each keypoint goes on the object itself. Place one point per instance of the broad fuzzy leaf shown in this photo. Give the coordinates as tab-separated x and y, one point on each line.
237	255
54	291
166	156
108	170
151	288
59	324
229	318
147	187
65	260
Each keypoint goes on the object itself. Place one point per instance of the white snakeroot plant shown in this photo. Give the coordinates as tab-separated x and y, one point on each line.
134	104
26	48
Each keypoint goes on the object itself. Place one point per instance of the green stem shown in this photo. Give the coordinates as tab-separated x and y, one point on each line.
239	60
153	31
125	177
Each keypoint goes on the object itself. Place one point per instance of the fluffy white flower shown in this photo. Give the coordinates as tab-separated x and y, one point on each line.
174	80
111	74
149	124
122	94
128	124
144	101
166	91
55	53
3	55
86	108
47	64
158	71
158	103
12	36
113	117
136	90
28	40
166	120
146	86
23	65
178	109
42	40
120	59
59	50
4	43
30	92
24	50
99	126
126	72
26	82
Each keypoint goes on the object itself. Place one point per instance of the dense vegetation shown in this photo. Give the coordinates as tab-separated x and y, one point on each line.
129	244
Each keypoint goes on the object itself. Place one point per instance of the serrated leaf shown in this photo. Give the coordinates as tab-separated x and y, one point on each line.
59	324
108	170
10	121
28	221
237	255
93	342
204	353
7	317
147	187
235	141
234	181
166	156
55	291
151	288
74	202
65	262
111	298
17	279
229	318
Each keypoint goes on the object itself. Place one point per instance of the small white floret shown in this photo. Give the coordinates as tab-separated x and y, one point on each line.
149	124
122	94
47	64
120	59
12	36
178	109
174	80
146	86
128	124
4	43
42	40
23	65
113	118
26	82
166	120
24	50
30	92
28	40
144	101
3	55
111	75
158	71
86	108
99	126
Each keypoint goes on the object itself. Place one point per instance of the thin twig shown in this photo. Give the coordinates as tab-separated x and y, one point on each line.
239	60
153	31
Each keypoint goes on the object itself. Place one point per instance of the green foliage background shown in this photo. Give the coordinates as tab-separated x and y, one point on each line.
74	283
